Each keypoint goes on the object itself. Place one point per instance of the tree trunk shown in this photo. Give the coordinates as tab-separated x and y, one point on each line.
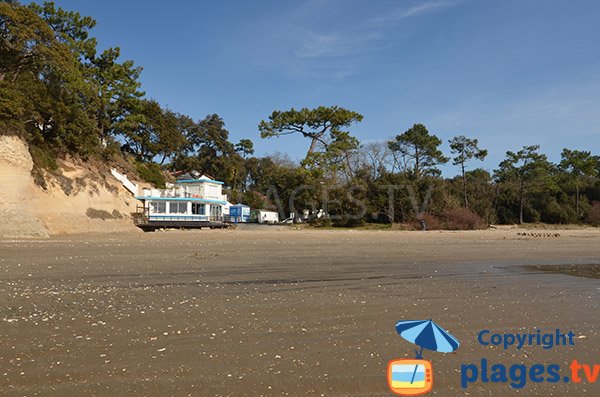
234	178
311	149
521	201
577	198
350	172
464	181
417	163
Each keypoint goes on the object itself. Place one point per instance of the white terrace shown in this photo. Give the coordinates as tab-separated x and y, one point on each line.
202	188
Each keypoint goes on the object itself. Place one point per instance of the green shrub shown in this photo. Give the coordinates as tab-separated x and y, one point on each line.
554	213
321	222
43	158
111	151
151	173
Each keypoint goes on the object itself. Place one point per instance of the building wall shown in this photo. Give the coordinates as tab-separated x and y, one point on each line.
211	191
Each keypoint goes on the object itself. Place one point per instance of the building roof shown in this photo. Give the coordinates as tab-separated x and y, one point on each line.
196	177
180	181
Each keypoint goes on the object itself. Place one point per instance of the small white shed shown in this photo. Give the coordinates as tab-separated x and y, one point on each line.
264	216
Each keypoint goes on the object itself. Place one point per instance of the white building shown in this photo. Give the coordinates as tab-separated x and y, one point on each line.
265	216
189	199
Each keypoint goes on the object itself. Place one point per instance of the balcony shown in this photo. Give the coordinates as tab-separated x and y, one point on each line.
180	193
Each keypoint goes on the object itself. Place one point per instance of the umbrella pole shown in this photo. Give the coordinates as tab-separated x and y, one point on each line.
419	356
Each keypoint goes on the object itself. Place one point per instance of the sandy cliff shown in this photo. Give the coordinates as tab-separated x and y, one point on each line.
80	199
16	190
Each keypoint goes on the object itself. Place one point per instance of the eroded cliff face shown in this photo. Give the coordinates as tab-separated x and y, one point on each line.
79	199
16	215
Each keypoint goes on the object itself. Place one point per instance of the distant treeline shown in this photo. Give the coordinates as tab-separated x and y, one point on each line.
63	96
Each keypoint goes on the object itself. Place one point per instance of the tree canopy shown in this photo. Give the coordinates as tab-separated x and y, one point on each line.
580	165
465	149
527	168
314	124
417	152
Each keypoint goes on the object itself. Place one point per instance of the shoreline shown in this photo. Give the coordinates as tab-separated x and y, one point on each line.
257	228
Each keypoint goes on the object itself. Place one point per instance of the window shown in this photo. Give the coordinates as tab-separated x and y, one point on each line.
158	207
215	210
198	209
177	207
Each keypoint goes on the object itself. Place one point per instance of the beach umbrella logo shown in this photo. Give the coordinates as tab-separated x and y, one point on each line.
414	377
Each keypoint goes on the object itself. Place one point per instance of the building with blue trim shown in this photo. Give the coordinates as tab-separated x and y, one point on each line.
239	213
189	202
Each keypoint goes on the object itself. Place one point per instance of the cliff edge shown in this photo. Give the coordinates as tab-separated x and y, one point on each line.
79	198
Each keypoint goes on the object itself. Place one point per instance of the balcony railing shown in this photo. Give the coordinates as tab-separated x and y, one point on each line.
175	194
142	217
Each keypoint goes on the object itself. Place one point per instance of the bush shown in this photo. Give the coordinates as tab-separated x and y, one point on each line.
463	219
432	222
347	221
555	213
43	159
254	200
111	151
321	222
151	173
593	214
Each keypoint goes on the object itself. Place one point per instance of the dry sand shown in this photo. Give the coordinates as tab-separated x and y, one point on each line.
273	312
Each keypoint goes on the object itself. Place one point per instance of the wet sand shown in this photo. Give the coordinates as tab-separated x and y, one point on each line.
273	312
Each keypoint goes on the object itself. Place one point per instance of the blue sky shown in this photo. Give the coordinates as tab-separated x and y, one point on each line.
509	72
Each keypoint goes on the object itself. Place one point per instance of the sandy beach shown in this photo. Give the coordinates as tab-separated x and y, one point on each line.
282	312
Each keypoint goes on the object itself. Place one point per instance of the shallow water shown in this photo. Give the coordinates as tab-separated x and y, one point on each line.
578	270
